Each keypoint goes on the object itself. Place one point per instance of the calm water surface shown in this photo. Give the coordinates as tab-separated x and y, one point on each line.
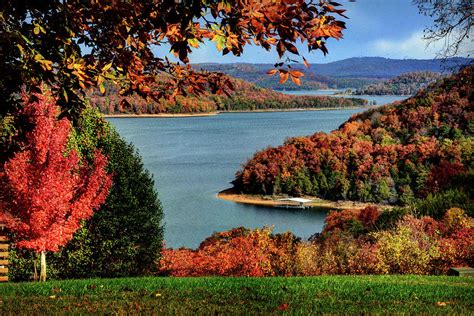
379	99
194	158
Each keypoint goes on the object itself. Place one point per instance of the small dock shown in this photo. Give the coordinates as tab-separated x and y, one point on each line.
298	203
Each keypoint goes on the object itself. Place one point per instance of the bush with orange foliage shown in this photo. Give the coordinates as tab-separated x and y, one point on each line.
351	243
238	252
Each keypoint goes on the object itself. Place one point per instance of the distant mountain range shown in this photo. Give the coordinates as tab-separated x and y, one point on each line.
347	73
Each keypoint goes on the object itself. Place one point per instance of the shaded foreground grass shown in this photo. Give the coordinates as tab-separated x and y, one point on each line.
330	294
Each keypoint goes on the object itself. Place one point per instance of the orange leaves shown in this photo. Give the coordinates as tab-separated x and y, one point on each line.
295	76
238	252
138	29
306	64
272	40
296	80
271	72
284	74
296	73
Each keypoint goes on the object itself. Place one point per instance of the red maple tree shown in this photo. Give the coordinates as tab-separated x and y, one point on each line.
46	191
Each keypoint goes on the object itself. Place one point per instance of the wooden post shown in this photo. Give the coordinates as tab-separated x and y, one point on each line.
3	255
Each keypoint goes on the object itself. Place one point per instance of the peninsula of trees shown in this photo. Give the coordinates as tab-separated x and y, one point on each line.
391	154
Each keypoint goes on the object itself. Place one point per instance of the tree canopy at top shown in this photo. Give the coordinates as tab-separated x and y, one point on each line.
72	45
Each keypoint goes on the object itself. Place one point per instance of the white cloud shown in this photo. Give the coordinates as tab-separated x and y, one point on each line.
413	46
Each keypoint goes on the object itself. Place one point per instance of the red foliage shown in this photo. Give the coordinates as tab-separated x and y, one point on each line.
415	246
388	154
339	220
238	252
443	174
343	220
46	190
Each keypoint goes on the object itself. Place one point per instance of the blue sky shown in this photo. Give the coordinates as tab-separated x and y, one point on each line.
385	28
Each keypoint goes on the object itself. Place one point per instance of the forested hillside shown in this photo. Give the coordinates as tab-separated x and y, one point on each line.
390	154
406	84
245	97
347	73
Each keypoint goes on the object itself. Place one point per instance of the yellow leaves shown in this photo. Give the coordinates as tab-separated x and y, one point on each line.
272	40
220	41
44	63
38	29
193	42
107	67
79	69
66	98
21	49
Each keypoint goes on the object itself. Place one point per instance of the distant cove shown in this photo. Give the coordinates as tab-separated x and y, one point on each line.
193	158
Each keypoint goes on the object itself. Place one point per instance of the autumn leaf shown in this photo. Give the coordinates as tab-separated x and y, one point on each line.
193	42
271	40
220	42
306	64
296	73
283	76
296	80
107	67
272	72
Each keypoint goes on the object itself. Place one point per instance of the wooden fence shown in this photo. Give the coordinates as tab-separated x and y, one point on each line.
3	255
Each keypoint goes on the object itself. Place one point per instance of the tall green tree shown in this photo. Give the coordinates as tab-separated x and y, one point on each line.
125	236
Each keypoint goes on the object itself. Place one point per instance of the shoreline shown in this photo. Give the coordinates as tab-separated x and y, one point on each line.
268	200
161	115
297	109
204	114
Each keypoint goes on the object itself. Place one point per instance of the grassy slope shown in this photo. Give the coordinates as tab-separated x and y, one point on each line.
349	294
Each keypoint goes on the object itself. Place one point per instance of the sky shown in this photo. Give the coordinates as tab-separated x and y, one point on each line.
383	28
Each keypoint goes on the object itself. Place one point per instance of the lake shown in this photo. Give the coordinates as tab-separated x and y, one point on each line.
193	158
378	99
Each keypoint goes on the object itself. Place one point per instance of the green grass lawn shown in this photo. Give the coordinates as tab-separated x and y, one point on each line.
330	294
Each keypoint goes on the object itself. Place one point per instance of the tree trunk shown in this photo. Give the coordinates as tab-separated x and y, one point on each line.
43	266
35	263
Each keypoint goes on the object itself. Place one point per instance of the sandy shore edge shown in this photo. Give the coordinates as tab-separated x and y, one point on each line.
168	115
262	200
163	115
